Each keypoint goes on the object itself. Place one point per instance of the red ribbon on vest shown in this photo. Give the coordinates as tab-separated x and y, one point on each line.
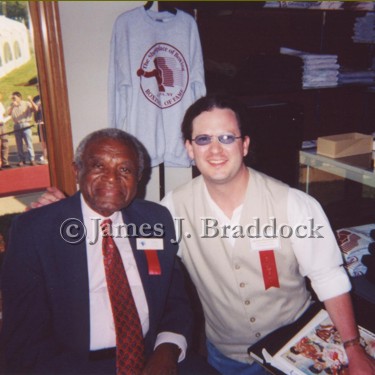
153	262
268	262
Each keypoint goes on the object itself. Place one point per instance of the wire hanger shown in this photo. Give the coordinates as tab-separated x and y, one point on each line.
169	9
148	5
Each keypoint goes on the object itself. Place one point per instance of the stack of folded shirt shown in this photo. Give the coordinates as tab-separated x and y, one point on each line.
304	4
364	29
358	77
319	70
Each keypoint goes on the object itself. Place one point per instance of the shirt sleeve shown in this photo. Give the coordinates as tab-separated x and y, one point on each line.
119	77
173	338
315	246
196	64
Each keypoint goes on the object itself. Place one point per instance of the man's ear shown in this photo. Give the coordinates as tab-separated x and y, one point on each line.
246	145
75	170
189	149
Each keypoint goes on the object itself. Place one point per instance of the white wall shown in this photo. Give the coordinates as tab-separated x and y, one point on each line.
86	28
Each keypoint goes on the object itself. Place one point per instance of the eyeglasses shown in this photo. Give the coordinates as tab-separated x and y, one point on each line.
205	139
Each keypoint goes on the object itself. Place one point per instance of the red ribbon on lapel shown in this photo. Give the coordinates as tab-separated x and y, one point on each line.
153	262
269	269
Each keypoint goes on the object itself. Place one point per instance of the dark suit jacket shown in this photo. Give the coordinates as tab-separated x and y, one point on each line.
45	290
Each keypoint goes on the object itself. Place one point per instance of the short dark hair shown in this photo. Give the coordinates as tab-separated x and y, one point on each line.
116	134
294	350
17	93
208	103
315	370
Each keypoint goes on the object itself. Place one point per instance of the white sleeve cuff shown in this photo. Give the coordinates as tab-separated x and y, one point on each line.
173	338
330	283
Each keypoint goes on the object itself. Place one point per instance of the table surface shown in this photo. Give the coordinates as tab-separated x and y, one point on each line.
357	168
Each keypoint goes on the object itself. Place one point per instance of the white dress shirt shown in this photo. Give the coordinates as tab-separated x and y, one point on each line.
102	328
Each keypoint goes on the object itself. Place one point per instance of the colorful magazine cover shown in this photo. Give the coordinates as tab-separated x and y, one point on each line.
317	349
354	243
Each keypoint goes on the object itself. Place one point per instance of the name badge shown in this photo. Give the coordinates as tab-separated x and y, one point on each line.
150	244
264	243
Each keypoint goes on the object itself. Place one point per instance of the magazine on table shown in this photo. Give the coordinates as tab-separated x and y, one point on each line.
315	349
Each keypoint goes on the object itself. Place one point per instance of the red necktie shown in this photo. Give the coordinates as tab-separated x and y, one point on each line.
129	337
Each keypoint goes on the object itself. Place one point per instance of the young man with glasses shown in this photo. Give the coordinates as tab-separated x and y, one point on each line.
250	277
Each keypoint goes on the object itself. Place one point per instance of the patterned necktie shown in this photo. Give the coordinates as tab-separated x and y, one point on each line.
129	338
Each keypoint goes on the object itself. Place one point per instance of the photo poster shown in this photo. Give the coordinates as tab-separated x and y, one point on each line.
317	349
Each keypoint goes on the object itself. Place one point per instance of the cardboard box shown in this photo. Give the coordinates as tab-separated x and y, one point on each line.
341	145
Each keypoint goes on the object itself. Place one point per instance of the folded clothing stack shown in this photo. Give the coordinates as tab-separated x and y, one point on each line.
363	29
369	259
319	70
358	77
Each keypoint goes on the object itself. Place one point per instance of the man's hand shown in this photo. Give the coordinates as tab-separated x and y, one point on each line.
163	360
52	195
360	363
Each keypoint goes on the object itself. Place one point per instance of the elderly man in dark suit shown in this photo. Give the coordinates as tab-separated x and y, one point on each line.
59	309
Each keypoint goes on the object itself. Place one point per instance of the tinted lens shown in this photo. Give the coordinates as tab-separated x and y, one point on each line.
202	140
205	139
226	139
